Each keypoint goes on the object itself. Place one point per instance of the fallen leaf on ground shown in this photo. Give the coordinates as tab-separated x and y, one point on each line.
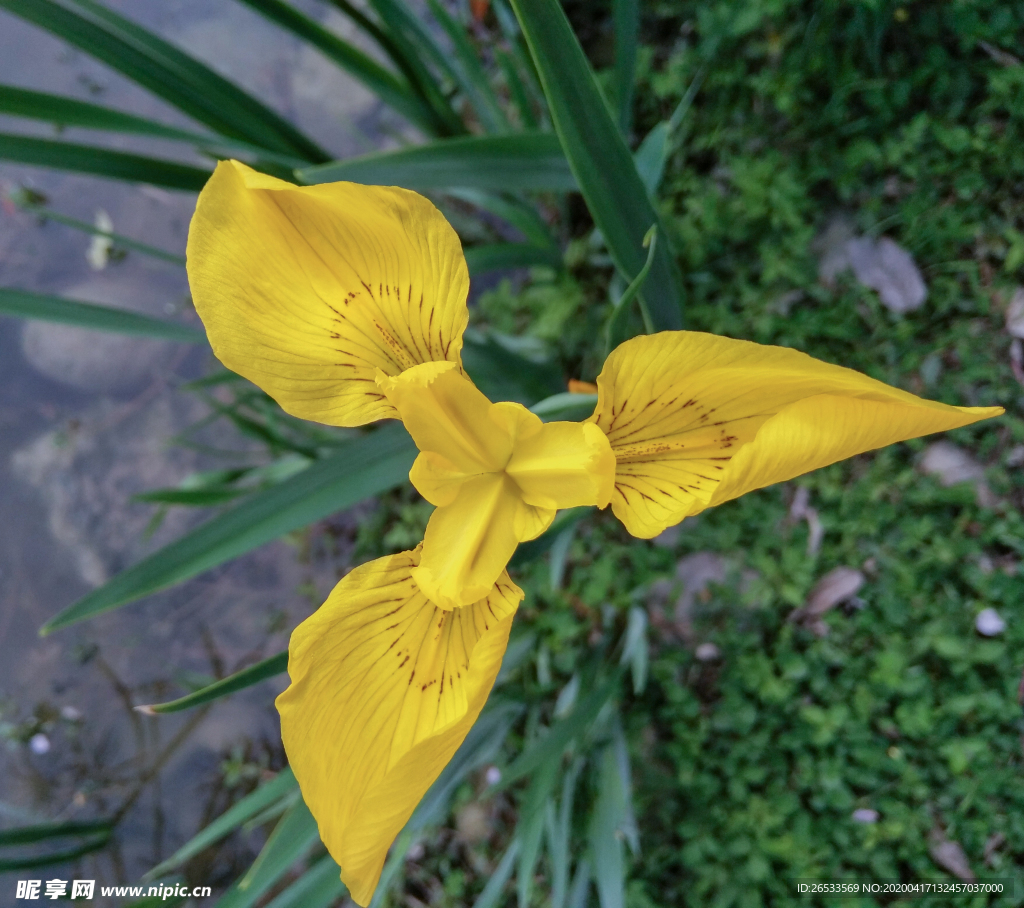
838	585
952	465
883	265
887	268
949	855
1015	314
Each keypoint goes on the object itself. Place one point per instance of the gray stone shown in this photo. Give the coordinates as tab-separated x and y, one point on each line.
98	361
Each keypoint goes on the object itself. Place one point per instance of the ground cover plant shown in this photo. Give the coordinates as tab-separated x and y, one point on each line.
714	750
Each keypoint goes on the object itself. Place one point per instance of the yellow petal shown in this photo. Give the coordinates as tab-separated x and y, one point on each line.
468	542
446	414
564	465
695	420
821	430
308	291
384	688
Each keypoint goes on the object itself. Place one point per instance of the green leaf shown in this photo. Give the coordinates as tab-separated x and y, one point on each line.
367	466
318	887
506	163
566	405
560	831
580	886
403	52
27	835
281	786
40	306
548	749
119	240
102	162
605	840
153	63
38	105
652	155
63	111
514	211
530	828
499	256
470	73
503	374
485	739
295	833
199	498
158	901
599	157
617	329
535	548
517	90
247	677
626	26
392	90
560	556
90	836
493	892
415	41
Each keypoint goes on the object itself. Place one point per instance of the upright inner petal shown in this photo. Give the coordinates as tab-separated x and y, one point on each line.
496	473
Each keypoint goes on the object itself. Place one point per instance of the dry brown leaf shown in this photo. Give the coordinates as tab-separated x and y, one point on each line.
838	585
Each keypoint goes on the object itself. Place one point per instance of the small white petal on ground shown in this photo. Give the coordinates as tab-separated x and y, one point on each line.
988	623
707	652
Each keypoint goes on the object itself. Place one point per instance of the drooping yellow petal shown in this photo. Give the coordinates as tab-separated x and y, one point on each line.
496	472
309	291
384	688
695	420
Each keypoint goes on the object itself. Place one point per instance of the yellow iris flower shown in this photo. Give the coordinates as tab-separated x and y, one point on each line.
347	304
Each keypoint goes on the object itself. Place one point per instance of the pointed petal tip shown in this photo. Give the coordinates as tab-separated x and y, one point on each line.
696	420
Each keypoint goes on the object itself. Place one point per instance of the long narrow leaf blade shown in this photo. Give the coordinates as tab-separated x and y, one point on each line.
102	162
494	891
118	239
401	36
318	887
27	835
281	786
626	18
39	105
599	157
247	677
382	82
22	304
157	65
294	834
469	72
368	466
64	111
524	161
550	747
501	256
